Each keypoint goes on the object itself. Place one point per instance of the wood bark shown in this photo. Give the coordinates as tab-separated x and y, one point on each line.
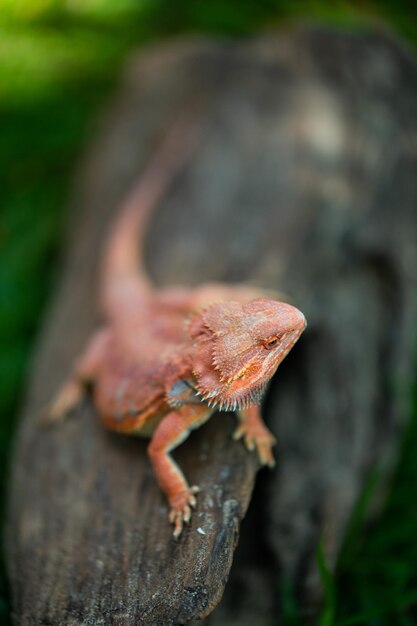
304	181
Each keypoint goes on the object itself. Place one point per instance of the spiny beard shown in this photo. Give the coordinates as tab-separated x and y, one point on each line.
243	401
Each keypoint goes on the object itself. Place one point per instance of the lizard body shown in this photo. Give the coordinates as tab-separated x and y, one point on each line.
166	359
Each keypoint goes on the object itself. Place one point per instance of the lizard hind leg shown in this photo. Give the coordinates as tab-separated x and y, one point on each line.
65	401
173	430
72	391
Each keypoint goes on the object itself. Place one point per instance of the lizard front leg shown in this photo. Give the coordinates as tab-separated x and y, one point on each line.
171	431
84	371
255	434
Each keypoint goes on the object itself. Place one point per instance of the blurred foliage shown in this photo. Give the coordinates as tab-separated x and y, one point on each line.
377	571
58	60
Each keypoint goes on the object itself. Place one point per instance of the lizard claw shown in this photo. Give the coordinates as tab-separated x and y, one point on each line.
181	508
66	400
257	438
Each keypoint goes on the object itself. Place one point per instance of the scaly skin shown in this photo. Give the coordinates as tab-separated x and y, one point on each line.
166	360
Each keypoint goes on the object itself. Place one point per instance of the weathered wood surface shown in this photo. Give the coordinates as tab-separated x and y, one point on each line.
305	180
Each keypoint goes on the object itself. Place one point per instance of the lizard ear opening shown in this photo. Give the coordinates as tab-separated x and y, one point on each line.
228	359
212	328
233	343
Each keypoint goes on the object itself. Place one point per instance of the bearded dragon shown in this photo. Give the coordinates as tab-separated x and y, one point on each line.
165	360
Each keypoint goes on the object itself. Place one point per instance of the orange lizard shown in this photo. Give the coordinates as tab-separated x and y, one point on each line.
166	359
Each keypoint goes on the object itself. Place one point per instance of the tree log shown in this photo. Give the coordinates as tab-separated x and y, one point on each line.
305	182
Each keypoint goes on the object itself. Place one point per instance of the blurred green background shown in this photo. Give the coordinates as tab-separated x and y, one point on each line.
59	59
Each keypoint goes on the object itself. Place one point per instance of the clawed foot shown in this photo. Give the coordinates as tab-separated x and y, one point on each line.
181	506
257	438
66	400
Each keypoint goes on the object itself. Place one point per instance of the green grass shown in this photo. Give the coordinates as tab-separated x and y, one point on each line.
58	61
377	574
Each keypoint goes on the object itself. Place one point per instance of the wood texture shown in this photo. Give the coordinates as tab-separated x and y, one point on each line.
305	182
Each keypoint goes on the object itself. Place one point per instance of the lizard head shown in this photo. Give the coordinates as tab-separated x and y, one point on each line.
238	347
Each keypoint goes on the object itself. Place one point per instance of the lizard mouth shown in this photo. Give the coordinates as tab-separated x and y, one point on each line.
247	387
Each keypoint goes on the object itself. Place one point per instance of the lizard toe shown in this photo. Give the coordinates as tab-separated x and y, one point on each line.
181	509
260	440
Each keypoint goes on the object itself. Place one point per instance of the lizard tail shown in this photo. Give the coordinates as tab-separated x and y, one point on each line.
123	278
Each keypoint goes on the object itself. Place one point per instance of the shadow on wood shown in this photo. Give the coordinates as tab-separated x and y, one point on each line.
304	182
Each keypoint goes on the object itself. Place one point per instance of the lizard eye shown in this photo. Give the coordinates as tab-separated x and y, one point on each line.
270	343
